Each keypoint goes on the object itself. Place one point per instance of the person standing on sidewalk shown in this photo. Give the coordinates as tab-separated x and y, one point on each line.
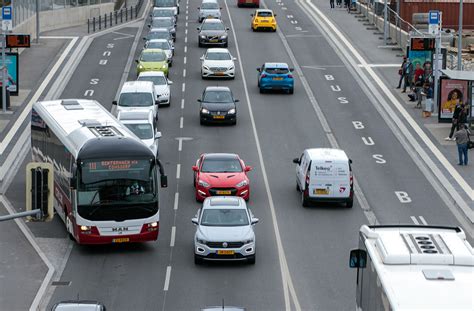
408	70
462	137
331	2
454	121
401	72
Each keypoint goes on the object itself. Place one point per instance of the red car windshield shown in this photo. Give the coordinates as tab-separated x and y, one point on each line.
221	166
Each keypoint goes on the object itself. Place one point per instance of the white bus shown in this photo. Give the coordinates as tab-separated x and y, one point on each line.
105	179
401	268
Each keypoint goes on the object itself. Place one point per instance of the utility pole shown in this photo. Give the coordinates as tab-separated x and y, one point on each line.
460	37
37	21
385	23
437	62
4	71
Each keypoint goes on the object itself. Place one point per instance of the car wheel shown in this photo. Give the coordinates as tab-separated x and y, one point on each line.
171	64
262	90
235	122
251	260
291	91
350	203
200	45
304	200
297	187
253	29
197	260
226	44
201	122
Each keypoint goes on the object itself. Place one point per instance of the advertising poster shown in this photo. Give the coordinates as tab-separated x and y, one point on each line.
419	57
472	102
452	92
12	79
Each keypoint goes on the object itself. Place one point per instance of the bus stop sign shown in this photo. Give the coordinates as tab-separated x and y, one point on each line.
7	18
434	22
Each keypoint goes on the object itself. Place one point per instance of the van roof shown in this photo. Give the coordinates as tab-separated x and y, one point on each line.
135	115
137	86
327	154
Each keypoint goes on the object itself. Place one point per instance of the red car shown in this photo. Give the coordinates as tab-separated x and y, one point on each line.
221	174
254	3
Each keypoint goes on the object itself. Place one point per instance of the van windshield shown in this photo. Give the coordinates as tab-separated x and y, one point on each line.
136	100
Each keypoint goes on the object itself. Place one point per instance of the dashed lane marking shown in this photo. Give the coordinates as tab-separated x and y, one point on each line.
178	171
181	122
173	236
167	278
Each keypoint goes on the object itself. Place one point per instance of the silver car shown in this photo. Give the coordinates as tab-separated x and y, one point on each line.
164	45
164	22
209	9
224	230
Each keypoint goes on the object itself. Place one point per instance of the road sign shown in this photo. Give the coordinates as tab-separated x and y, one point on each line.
7	18
18	41
434	22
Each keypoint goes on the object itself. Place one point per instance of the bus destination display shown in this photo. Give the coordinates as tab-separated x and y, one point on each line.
115	165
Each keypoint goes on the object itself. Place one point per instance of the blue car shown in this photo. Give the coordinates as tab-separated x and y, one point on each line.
275	76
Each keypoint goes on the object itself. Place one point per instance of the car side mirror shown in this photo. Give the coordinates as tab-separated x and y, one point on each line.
195	168
199	8
350	161
254	221
227	28
248	168
114	103
158	135
199	101
296	160
170	82
149	26
258	69
136	61
236	100
251	14
164	181
157	102
194	220
198	28
274	15
202	57
292	69
234	58
358	258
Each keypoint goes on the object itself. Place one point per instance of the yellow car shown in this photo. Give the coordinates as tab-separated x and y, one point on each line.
264	19
152	60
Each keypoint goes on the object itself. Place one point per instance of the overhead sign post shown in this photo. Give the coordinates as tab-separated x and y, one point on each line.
434	27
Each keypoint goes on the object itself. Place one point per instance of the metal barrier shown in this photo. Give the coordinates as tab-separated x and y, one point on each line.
113	18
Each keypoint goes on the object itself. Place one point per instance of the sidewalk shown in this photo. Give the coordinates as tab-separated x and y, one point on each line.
386	61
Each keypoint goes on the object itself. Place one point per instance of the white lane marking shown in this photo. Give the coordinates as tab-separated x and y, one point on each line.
186	31
103	62
89	93
186	24
26	111
125	35
378	65
167	278
182	103
178	171
418	154
423	221
180	145
185	49
186	17
284	270
29	236
185	60
183	87
186	39
434	168
107	53
184	73
181	122
415	221
176	201
173	236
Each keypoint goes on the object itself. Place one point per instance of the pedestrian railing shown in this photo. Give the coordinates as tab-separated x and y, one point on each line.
114	18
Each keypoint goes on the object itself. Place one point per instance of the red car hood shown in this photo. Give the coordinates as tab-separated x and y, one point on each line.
223	180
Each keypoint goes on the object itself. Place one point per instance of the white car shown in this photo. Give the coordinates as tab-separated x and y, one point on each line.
141	124
209	9
224	230
218	63
164	45
161	83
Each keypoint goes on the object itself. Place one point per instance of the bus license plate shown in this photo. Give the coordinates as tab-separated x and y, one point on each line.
224	192
121	240
225	252
321	191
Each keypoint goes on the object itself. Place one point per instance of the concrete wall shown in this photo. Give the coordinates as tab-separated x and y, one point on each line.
62	18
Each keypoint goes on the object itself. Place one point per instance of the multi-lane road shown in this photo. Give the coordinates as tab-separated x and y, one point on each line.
302	252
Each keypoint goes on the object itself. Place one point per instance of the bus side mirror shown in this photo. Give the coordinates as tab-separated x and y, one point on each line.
358	258
164	181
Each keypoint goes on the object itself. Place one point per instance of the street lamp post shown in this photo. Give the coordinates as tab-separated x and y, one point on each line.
37	21
460	37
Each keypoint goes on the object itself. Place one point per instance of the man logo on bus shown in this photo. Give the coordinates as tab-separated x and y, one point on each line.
342	189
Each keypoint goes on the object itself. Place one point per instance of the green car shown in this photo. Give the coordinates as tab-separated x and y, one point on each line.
152	60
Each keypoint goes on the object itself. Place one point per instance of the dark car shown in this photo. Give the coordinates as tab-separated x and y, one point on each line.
212	32
167	4
164	22
159	33
164	12
218	106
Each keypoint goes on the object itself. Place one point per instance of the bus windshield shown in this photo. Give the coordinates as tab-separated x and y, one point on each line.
117	189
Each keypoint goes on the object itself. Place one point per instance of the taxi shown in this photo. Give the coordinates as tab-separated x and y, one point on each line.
263	20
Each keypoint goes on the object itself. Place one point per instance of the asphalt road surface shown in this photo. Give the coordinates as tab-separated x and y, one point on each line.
302	253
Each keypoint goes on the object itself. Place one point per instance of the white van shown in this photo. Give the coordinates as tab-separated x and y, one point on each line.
325	175
137	96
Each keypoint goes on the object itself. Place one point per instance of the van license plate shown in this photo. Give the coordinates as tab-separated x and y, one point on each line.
121	240
321	191
225	252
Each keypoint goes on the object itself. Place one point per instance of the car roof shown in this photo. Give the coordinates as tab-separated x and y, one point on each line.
220	50
217	88
276	65
78	305
163	17
264	10
224	201
159	29
203	1
163	8
135	115
221	156
327	154
158	40
137	86
144	51
226	308
212	20
152	74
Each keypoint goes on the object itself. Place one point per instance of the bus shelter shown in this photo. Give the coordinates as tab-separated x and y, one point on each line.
455	87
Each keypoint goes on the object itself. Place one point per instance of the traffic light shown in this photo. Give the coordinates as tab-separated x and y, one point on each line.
39	189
